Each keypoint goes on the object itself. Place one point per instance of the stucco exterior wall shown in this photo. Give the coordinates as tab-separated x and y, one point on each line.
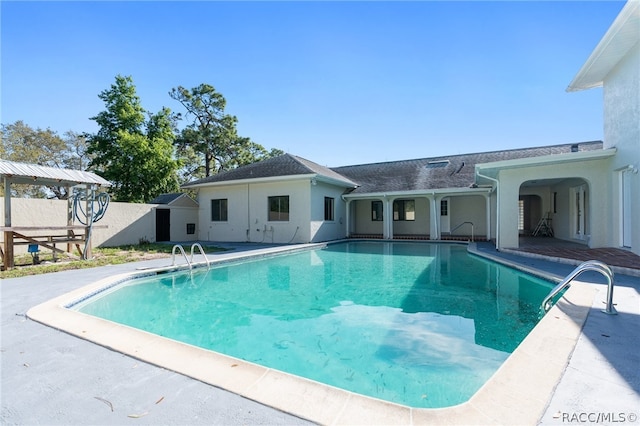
593	172
362	220
179	218
419	226
321	230
126	223
468	209
236	227
248	212
621	90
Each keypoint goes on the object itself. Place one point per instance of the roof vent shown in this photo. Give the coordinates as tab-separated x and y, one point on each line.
437	164
574	148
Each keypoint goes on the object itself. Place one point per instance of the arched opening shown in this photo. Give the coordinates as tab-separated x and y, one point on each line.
555	208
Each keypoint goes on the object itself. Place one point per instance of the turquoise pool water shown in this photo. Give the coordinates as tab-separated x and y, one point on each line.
420	324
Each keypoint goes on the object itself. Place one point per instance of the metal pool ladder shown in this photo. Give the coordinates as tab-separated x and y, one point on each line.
189	261
589	265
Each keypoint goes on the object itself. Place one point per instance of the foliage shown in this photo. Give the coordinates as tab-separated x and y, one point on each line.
134	154
212	135
21	143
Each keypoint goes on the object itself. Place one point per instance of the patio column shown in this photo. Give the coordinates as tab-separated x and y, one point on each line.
433	220
8	235
347	218
387	224
487	200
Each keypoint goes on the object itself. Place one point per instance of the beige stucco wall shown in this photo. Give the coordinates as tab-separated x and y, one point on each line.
621	90
468	209
362	223
126	223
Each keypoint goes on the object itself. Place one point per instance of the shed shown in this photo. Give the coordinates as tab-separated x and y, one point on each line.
176	217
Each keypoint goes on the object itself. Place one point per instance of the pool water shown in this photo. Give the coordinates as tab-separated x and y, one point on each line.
420	324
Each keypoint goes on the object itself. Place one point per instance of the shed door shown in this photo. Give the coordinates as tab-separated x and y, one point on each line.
163	224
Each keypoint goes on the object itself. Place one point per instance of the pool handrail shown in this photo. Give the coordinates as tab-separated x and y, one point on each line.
173	255
197	245
589	265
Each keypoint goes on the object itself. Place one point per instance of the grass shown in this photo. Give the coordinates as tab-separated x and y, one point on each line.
101	256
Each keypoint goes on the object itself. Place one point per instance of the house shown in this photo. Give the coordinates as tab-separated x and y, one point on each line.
615	66
291	199
583	192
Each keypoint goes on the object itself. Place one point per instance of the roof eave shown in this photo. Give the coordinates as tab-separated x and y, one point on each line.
548	159
418	192
249	181
614	45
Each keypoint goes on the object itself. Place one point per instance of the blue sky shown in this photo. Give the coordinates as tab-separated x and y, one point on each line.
335	82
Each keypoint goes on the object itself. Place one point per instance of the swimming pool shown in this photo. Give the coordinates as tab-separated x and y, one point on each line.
420	324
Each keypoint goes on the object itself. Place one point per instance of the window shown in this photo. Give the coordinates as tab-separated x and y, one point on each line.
376	210
444	207
219	210
191	228
279	208
404	210
328	208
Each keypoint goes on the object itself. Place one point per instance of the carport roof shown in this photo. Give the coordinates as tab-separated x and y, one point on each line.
35	174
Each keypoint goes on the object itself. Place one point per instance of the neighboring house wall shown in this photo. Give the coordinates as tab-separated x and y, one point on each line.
621	93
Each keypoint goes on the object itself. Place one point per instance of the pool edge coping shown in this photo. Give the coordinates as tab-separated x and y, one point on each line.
518	392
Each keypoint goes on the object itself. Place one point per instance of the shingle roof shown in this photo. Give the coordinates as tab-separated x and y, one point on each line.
166	198
283	165
455	171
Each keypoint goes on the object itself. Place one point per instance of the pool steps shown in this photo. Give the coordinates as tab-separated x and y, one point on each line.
184	254
589	265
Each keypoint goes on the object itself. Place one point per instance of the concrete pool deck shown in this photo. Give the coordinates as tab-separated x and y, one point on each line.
51	377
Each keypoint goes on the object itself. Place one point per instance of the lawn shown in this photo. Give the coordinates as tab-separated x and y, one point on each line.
101	257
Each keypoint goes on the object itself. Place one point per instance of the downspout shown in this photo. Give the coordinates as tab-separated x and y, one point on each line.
497	207
436	227
248	213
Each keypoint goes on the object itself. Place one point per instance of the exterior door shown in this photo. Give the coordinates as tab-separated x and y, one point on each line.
578	212
163	225
445	209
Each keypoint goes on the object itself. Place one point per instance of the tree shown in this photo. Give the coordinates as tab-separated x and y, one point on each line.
212	135
134	154
21	143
